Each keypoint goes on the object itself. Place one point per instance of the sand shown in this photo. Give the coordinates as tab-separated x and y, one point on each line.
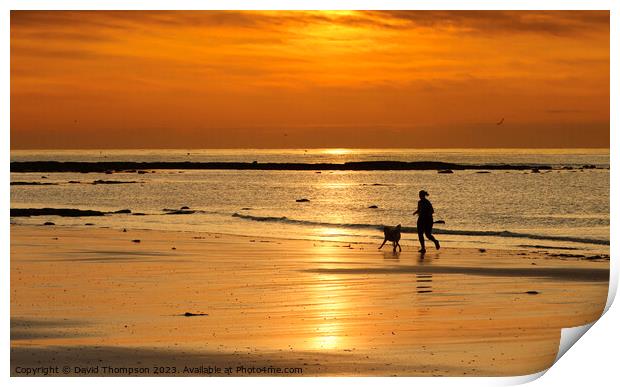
90	301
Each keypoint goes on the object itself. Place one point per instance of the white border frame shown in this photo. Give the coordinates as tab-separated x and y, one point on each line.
593	359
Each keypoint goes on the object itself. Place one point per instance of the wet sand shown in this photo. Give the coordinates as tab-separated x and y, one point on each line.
93	298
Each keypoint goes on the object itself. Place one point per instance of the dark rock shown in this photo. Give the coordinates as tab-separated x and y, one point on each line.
113	182
482	250
483	172
303	200
49	224
70	212
31	183
564	255
142	172
185	208
532	292
108	172
138	214
135	240
445	171
74	182
122	212
89	224
180	212
85	167
373	206
189	314
589	166
43	177
246	208
535	170
124	230
601	256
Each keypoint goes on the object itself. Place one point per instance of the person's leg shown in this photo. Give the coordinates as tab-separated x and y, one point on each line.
421	236
429	235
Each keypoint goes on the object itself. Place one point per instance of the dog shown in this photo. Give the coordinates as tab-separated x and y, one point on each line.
392	234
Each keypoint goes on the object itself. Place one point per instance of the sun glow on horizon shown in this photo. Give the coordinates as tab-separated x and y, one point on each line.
338	151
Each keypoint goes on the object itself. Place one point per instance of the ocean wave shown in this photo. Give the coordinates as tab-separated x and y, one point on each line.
502	234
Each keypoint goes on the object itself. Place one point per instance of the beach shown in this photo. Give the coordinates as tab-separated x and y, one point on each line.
108	302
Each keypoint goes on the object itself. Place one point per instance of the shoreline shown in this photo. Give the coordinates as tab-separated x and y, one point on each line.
410	230
561	252
140	167
88	297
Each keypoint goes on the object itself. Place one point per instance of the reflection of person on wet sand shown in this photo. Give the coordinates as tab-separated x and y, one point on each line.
425	221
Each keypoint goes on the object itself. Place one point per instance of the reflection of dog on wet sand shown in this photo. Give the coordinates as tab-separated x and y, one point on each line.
392	234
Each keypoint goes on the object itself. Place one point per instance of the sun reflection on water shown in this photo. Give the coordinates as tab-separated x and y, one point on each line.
337	151
330	231
326	342
329	302
329	330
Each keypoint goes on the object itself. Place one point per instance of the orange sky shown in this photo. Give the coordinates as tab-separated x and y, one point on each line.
211	79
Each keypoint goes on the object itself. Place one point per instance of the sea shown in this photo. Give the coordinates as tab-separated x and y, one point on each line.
564	210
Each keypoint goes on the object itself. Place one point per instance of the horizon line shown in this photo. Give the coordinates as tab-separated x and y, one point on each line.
315	148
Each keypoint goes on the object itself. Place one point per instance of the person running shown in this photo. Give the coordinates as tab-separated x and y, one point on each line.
425	221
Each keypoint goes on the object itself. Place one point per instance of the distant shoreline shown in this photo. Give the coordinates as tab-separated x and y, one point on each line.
117	166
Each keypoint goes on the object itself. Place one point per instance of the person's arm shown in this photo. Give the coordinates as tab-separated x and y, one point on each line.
418	210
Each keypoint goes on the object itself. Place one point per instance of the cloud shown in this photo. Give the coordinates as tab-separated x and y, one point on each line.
565	111
547	22
63	53
544	22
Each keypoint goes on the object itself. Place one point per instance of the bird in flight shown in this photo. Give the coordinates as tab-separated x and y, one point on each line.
500	121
